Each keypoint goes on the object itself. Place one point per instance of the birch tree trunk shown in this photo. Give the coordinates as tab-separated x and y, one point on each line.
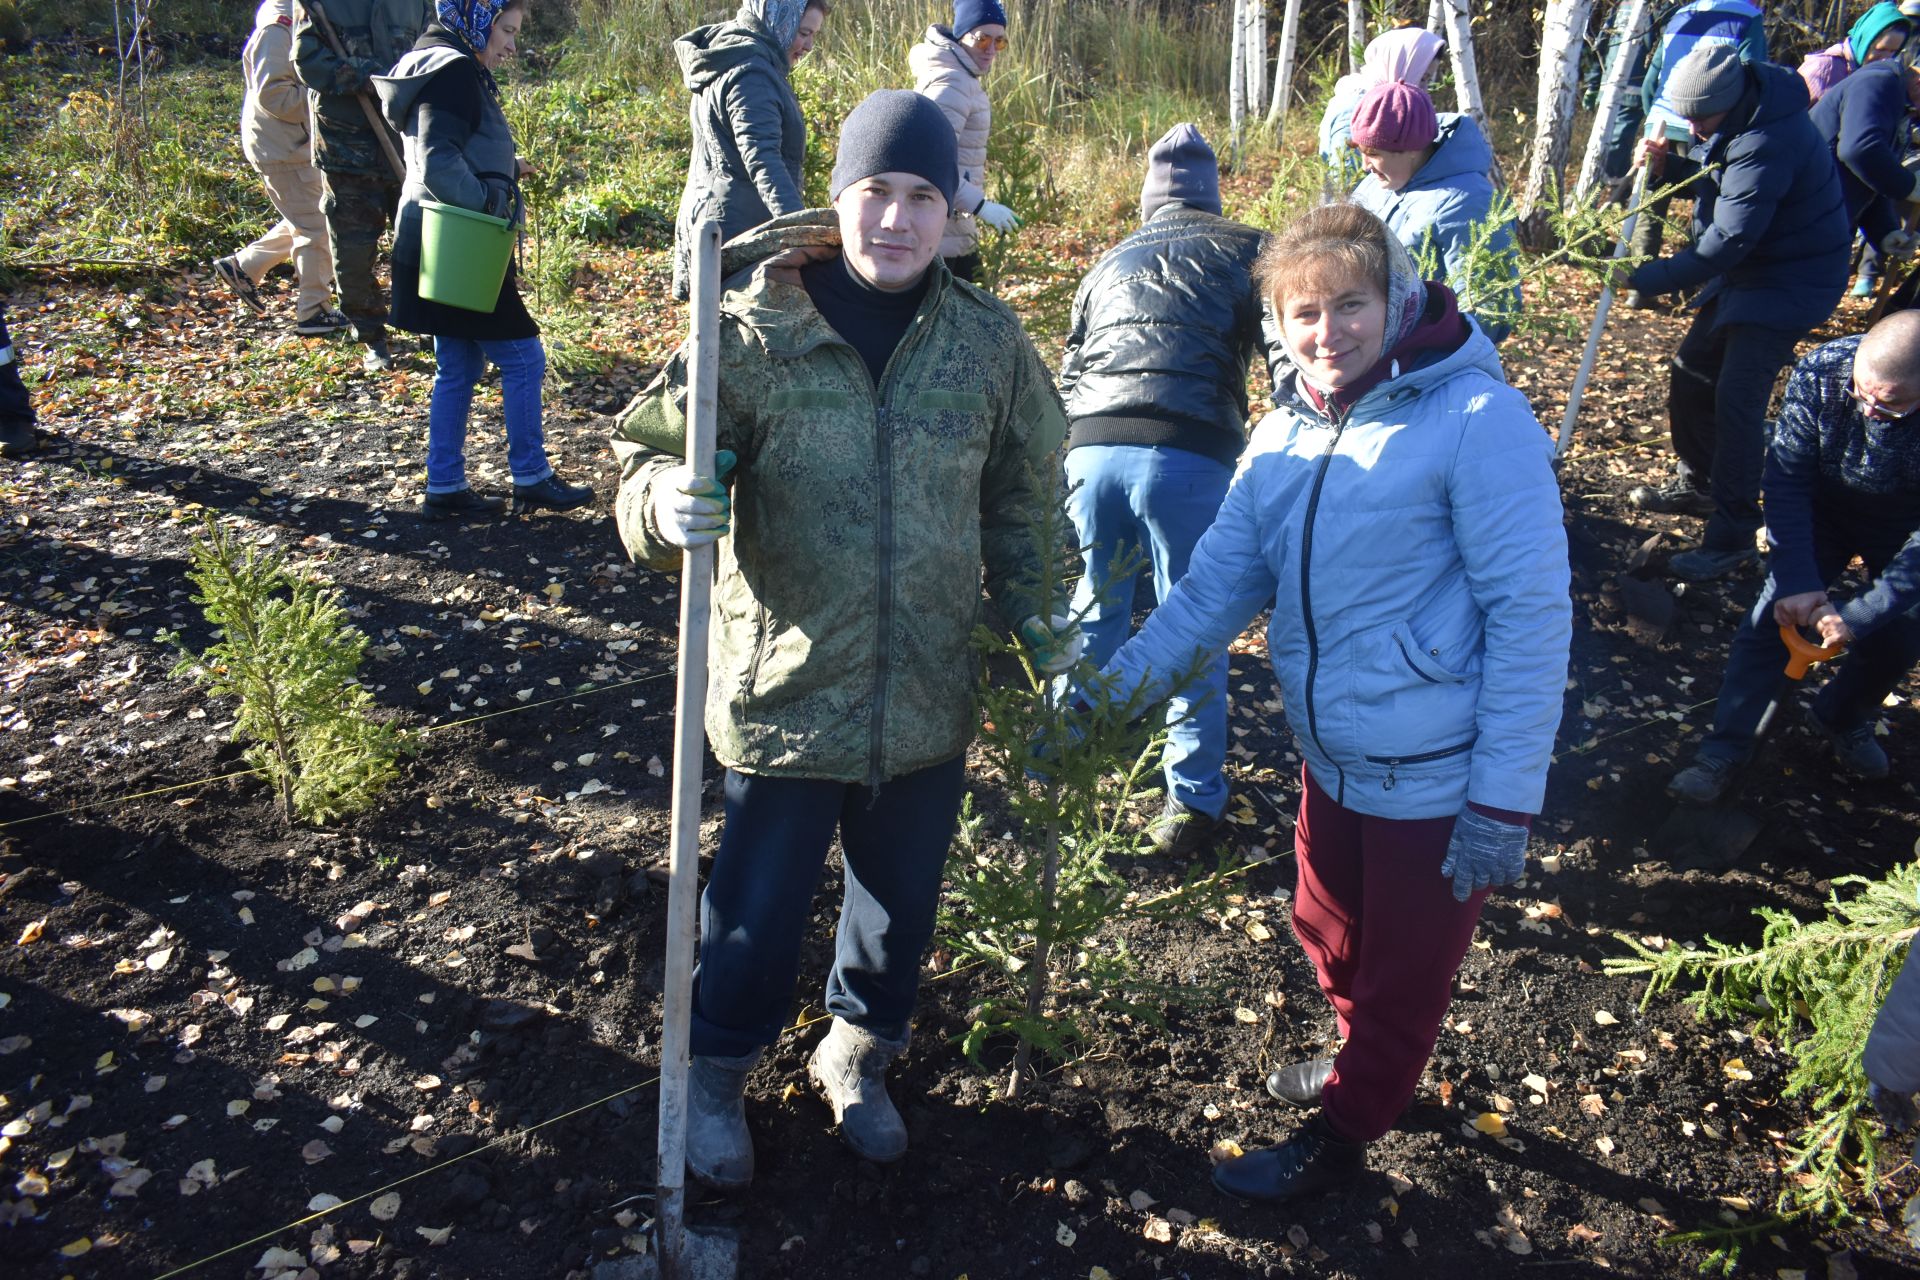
1560	36
1256	54
1237	89
1631	30
1466	76
1437	17
1356	33
1283	69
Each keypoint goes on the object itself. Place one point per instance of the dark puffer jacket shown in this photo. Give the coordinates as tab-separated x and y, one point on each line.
1770	228
749	137
1164	327
1863	119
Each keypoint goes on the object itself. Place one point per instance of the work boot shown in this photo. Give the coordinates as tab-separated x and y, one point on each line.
462	504
1704	781
553	493
1854	749
230	274
18	438
719	1148
849	1068
1300	1084
1308	1163
1703	564
1182	831
1675	497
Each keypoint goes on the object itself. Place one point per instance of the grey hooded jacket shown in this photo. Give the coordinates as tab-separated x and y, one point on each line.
458	157
749	138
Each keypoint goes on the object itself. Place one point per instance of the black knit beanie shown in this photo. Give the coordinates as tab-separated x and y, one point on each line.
896	131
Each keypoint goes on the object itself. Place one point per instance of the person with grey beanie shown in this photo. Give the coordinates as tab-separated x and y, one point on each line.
881	426
1155	381
1770	245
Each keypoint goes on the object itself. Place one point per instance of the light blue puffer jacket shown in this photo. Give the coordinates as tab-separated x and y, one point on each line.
1449	195
1415	561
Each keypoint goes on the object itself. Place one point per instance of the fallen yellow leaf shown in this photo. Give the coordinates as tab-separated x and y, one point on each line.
1490	1123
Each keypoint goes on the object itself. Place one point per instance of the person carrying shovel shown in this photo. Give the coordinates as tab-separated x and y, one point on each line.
1843	479
880	428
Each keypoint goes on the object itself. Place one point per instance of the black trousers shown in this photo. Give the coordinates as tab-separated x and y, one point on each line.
14	405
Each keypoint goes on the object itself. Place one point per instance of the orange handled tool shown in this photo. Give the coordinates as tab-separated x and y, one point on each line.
1803	653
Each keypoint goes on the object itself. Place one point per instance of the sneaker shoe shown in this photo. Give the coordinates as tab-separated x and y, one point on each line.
1703	564
1864	285
1703	782
323	323
553	494
1299	1085
1854	749
1310	1162
228	269
18	438
378	358
1674	498
462	504
1181	831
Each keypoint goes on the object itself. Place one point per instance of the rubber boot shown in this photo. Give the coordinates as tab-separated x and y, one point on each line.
849	1068
719	1148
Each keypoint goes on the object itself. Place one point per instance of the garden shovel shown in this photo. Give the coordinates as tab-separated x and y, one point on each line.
1712	837
685	1254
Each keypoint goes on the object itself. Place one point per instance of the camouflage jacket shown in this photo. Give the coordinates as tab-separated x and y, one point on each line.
849	589
375	33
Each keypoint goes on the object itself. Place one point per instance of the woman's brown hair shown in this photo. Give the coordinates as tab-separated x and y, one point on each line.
1323	249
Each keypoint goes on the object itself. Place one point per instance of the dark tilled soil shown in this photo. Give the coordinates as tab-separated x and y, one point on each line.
205	1029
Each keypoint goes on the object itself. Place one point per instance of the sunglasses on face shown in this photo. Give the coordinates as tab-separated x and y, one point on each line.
984	42
1880	410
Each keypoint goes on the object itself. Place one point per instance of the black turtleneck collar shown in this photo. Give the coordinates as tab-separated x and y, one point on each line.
871	320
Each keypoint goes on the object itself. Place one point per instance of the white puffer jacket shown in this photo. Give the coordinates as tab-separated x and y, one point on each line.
275	132
944	71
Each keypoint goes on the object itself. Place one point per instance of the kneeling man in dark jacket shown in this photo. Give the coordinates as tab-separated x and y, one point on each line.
1155	382
1771	239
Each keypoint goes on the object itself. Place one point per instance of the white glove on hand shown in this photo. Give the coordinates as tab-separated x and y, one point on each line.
998	216
1898	243
1055	648
691	510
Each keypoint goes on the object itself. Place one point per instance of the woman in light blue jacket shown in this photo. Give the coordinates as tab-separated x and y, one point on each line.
1399	514
1429	178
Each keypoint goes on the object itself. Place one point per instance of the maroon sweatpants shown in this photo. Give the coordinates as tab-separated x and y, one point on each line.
1386	937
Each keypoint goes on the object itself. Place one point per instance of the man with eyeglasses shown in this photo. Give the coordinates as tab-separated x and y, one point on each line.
1842	480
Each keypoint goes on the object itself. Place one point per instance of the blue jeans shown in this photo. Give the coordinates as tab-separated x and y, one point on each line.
1756	670
459	364
1128	497
894	842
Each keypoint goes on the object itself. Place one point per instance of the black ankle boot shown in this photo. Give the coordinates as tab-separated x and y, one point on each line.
1300	1084
462	504
553	493
1308	1163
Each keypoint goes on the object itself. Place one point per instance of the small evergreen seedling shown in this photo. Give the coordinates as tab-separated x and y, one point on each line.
288	654
1816	986
1040	912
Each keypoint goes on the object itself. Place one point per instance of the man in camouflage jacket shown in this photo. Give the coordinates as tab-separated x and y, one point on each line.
889	422
362	189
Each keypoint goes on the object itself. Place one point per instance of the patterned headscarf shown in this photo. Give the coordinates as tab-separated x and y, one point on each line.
781	18
1406	301
471	20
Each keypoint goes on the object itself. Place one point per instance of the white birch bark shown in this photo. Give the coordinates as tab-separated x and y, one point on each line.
1560	37
1283	68
1613	93
1356	33
1256	54
1237	87
1466	74
1437	17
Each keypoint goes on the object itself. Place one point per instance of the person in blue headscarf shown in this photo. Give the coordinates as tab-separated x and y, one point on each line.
749	137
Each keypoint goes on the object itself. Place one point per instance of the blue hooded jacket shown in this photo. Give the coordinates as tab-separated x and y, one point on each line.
1770	228
1450	195
1863	119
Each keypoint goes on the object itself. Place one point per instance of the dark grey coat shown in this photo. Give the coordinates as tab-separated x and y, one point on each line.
749	138
459	151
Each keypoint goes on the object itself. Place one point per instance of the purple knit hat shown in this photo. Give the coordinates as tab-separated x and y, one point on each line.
1395	116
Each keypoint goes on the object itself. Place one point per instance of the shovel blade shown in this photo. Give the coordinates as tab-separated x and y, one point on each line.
1706	838
710	1255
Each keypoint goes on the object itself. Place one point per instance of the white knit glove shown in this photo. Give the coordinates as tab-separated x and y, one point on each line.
692	510
998	216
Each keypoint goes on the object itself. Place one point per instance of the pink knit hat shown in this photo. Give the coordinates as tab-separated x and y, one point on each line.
1395	116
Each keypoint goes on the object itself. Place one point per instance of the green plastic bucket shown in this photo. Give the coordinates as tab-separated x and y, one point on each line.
463	256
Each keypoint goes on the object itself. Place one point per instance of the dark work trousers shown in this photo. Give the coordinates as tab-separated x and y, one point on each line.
14	405
359	208
1717	400
761	892
1873	667
1379	922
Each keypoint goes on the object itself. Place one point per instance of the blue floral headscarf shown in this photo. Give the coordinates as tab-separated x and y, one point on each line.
781	18
471	20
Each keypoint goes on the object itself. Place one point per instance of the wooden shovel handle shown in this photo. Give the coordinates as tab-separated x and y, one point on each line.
1803	653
